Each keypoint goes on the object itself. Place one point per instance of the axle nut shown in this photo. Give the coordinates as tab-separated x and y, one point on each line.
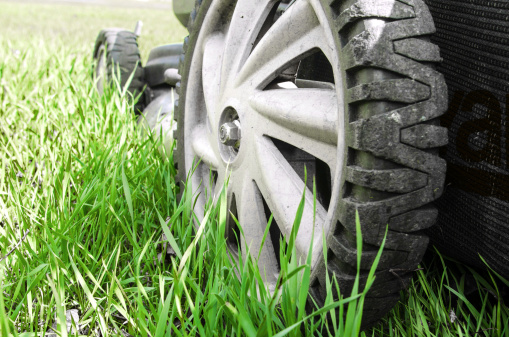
229	133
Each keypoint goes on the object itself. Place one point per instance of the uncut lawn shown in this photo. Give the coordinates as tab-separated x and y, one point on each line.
92	196
84	200
87	197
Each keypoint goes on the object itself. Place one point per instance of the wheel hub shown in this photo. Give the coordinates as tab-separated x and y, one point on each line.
229	134
240	108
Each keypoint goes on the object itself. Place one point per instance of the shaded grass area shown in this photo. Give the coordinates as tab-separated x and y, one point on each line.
447	298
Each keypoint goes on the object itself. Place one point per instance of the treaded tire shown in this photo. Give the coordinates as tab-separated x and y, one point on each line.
119	48
390	170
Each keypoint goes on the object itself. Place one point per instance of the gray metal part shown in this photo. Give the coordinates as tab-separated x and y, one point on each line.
172	76
160	59
157	119
182	9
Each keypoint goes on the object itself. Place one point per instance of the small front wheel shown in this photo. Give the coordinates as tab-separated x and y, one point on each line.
116	53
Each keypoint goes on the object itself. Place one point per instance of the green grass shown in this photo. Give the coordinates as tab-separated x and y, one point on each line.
93	197
94	194
447	298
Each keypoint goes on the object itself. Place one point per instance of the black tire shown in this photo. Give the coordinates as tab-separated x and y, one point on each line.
114	48
391	170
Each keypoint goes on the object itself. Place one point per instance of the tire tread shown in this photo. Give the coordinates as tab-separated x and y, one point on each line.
122	51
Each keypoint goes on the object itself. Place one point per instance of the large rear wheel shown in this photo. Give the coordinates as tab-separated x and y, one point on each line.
344	90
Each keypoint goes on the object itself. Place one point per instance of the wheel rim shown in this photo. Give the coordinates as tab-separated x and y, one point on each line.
229	81
100	71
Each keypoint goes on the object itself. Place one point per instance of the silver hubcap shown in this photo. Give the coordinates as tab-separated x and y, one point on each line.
101	72
237	112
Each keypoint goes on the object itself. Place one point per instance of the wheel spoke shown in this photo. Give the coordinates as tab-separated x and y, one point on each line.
253	221
293	120
202	147
282	189
297	32
212	55
310	112
247	20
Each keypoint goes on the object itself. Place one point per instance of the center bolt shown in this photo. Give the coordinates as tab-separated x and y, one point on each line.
229	133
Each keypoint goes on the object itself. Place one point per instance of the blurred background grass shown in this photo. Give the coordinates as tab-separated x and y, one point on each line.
76	23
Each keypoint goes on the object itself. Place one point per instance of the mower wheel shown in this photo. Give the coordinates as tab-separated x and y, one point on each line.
339	99
116	53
